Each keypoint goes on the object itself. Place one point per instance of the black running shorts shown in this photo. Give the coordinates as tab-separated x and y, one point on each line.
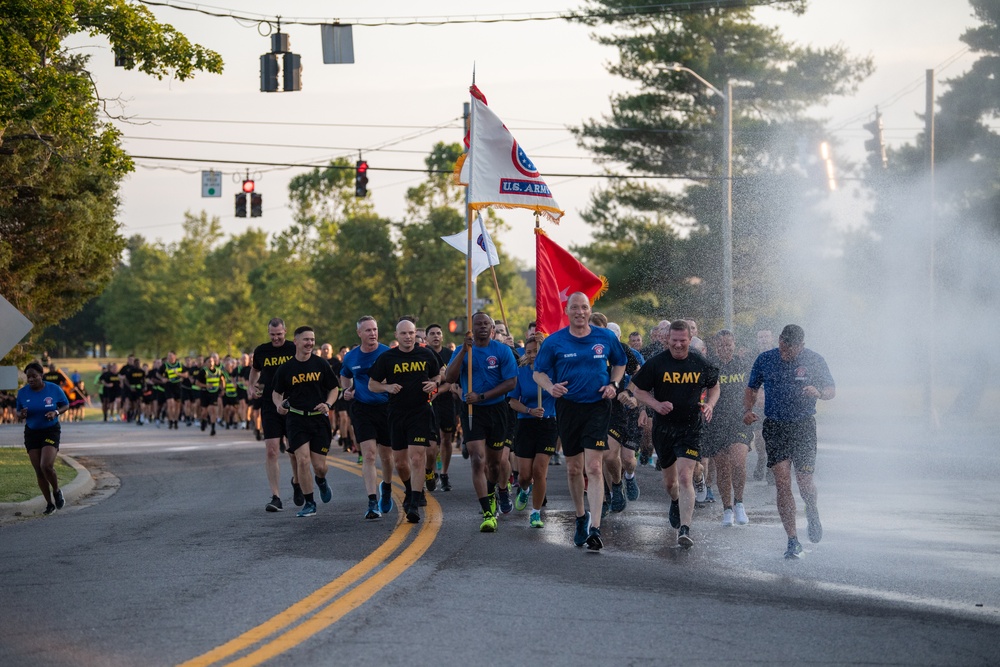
411	427
314	431
37	438
271	423
489	423
583	425
535	436
791	440
677	441
720	434
370	421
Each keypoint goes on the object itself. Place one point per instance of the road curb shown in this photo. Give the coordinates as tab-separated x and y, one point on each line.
81	485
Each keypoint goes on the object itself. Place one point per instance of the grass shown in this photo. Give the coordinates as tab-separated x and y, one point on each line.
17	477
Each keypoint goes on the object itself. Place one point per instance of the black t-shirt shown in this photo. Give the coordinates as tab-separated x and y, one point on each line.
409	369
442	398
107	377
679	381
305	384
266	359
733	378
135	376
189	375
336	364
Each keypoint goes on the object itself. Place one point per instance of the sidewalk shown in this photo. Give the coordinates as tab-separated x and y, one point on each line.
81	485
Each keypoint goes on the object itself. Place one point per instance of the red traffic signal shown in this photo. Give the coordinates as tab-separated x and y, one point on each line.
454	326
248	186
361	179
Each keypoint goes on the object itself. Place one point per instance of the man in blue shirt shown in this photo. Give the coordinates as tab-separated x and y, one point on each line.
369	415
793	379
582	367
494	374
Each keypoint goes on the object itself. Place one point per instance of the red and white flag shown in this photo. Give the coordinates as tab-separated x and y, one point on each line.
497	170
558	275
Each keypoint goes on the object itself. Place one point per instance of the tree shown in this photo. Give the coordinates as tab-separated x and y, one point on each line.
60	165
671	127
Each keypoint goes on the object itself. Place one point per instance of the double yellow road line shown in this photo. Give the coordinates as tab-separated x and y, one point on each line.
329	604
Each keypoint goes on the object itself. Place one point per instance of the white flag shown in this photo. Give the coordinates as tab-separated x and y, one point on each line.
500	172
484	253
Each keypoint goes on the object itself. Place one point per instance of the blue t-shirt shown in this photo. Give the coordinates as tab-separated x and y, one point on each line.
783	383
48	398
526	391
356	366
581	362
491	365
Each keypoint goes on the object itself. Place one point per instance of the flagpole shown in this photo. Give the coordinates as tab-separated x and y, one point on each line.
493	271
538	225
468	254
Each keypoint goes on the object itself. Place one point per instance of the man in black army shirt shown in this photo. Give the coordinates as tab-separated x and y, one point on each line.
305	388
409	374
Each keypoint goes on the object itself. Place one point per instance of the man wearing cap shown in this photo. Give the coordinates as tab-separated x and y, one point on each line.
793	378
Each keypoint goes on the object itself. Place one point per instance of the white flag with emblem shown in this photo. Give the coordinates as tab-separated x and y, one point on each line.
500	174
484	253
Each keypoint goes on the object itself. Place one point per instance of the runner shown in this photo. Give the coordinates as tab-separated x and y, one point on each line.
304	390
409	375
369	415
267	357
443	407
173	372
582	367
211	382
39	404
494	373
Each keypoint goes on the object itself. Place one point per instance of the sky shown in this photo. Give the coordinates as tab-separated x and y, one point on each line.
405	92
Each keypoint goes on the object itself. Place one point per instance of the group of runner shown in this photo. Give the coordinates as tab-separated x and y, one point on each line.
606	404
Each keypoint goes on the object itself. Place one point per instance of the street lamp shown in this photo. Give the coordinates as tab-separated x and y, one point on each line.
727	192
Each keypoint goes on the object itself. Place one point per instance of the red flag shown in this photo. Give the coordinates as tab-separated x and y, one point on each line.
557	276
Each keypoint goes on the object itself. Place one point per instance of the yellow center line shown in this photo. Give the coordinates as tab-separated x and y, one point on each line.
338	608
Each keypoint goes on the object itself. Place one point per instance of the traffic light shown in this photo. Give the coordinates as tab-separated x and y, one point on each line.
361	179
876	145
248	185
256	204
241	204
454	326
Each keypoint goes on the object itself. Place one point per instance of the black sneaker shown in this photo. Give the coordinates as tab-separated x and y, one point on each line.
274	505
675	514
61	501
430	479
257	434
204	424
683	538
213	428
445	484
594	542
413	511
297	496
49	509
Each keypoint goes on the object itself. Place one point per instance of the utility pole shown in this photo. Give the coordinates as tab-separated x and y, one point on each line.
931	296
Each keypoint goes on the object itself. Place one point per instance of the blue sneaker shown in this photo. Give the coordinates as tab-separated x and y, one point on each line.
325	493
521	501
794	548
536	520
309	509
373	512
631	489
582	529
384	498
506	505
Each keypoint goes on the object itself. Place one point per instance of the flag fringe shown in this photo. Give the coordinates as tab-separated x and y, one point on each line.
550	212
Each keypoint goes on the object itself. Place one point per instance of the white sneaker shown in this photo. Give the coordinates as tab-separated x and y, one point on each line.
741	514
727	517
700	492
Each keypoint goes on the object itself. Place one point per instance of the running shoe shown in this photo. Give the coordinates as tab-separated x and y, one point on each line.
506	504
373	512
536	519
699	490
213	429
204	424
556	459
727	517
605	508
815	527
420	500
325	493
309	509
582	529
489	524
521	501
618	499
741	514
274	505
431	480
445	484
493	502
632	489
644	459
413	512
709	498
59	499
675	514
49	509
684	538
361	459
384	498
594	542
794	549
297	496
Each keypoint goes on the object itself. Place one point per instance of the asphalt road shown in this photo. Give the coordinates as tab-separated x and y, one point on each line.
172	559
